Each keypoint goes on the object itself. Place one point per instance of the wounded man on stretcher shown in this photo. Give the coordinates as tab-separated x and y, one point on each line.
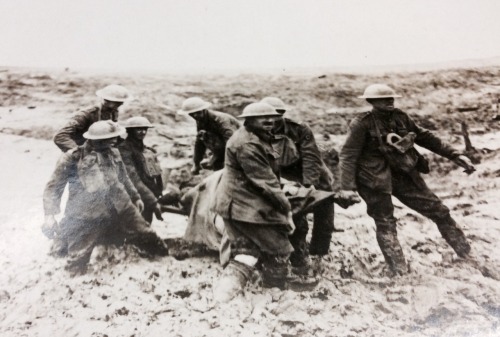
204	234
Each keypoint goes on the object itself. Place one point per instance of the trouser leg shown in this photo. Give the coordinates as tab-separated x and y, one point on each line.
298	240
275	269
147	214
80	247
130	225
421	199
453	235
323	227
380	208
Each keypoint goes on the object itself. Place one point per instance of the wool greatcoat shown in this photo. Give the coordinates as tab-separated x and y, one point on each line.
250	190
100	205
144	171
250	200
365	169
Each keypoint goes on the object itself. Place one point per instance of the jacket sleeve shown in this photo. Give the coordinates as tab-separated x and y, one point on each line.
225	127
146	194
350	153
255	166
199	146
125	180
55	187
311	157
64	138
430	141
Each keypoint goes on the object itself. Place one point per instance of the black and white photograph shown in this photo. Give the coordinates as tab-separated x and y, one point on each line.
284	168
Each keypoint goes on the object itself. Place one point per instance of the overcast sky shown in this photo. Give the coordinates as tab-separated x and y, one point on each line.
235	34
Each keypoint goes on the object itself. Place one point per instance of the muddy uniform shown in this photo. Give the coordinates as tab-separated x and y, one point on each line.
144	171
100	205
214	130
307	167
250	200
365	169
71	135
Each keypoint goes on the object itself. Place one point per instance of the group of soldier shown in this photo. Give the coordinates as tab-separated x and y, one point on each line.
115	185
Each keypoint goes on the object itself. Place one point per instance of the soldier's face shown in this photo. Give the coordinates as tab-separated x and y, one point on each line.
197	114
111	105
103	144
137	133
386	104
264	123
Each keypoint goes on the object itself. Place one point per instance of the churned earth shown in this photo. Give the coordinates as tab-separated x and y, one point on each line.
124	294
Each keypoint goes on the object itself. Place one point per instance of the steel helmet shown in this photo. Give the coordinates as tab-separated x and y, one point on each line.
137	122
259	110
114	93
275	102
379	91
104	130
193	104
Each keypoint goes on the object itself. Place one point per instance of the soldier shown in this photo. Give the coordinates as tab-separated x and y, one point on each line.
369	166
214	129
71	135
142	166
256	212
103	206
301	161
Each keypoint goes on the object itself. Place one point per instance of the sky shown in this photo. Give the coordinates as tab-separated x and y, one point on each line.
238	34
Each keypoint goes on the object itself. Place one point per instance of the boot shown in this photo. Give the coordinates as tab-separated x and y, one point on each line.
453	235
232	281
274	274
301	263
392	251
280	275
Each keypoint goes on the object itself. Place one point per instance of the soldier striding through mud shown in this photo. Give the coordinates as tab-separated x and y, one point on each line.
378	161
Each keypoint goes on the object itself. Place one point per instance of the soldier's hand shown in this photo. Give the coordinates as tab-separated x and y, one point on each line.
157	212
466	163
346	198
49	226
140	205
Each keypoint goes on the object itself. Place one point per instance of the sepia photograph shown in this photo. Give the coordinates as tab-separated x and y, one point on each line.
284	168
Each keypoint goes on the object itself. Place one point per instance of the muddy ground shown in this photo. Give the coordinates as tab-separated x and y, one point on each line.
124	294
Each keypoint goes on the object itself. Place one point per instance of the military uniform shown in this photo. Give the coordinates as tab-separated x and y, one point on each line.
144	171
71	135
214	129
302	162
100	205
365	169
250	200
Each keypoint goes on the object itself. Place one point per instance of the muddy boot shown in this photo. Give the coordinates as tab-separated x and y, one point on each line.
301	263
274	275
232	281
453	235
279	274
392	251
